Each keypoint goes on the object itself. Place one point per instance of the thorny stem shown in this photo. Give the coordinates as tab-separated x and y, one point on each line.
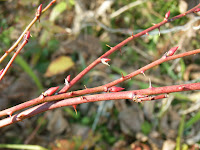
99	97
95	89
22	35
133	95
120	45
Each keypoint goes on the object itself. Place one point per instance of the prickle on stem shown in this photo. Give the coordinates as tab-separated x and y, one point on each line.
105	60
142	72
74	106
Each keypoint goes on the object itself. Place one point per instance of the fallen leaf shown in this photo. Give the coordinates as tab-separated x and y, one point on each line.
59	65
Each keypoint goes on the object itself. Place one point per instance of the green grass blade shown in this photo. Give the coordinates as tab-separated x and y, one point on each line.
22	146
23	64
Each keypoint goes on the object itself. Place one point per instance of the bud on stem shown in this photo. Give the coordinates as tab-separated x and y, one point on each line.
50	91
167	15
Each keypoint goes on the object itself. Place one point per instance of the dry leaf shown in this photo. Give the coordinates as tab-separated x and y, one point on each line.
59	65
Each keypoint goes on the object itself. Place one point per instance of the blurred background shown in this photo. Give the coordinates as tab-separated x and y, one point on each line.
71	35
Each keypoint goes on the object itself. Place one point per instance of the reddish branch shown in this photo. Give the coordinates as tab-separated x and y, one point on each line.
37	16
26	38
102	88
120	45
132	95
65	99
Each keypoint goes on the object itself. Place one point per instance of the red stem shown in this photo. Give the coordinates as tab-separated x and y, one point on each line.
95	89
12	59
98	97
119	46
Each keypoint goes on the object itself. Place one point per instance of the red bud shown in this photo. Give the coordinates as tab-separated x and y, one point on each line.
171	51
50	91
39	10
167	15
115	89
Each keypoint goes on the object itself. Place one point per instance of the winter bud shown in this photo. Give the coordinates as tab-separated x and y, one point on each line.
115	89
50	91
167	15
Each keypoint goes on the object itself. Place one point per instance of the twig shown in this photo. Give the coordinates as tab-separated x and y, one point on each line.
27	28
132	95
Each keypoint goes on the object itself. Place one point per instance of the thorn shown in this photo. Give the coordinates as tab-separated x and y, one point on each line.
159	31
142	72
122	75
132	35
120	50
104	61
147	33
153	24
75	108
150	86
108	46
